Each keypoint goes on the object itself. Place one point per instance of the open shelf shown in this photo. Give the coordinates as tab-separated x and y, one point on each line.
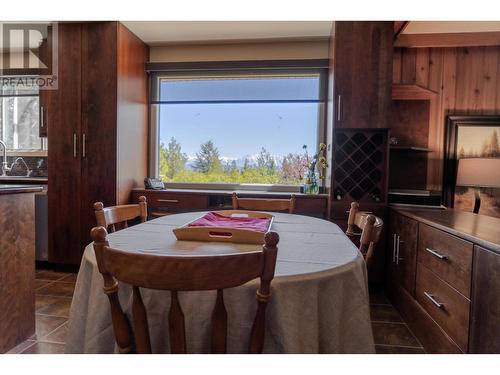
411	92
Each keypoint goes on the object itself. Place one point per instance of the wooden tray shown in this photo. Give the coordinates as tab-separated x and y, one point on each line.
225	234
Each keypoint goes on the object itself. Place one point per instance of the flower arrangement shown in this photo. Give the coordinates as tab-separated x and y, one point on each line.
311	183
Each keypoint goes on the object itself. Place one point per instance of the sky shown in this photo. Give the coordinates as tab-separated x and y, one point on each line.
241	129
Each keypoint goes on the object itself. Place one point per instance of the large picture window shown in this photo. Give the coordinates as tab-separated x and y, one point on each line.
19	117
257	127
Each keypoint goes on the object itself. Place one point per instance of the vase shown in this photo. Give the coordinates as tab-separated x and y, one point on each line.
311	183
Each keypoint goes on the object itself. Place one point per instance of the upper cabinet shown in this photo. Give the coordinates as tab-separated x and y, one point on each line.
362	55
46	97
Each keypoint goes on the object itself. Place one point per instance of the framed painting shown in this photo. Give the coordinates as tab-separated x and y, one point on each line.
470	137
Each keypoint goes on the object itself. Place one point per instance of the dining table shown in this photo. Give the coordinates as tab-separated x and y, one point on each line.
319	295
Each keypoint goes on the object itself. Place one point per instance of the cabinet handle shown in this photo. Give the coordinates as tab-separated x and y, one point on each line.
74	145
83	145
433	300
397	250
436	254
168	200
339	101
394	239
42	117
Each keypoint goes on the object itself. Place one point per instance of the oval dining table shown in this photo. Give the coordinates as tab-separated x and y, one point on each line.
319	302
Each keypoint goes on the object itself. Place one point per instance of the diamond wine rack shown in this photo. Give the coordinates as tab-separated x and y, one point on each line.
360	165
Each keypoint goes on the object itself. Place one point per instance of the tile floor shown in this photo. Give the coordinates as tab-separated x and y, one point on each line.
391	334
54	291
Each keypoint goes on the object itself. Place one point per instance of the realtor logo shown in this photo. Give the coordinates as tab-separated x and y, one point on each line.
28	54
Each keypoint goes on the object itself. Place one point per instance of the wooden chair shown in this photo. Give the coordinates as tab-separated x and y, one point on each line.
182	273
370	226
116	217
255	204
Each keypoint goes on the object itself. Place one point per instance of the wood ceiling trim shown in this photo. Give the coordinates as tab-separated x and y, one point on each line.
399	27
448	40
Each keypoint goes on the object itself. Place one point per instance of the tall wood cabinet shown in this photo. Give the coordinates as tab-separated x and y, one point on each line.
97	130
359	99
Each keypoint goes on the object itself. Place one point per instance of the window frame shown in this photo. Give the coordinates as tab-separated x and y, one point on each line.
42	151
157	71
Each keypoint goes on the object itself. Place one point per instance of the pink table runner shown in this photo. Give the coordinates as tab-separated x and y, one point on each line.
213	219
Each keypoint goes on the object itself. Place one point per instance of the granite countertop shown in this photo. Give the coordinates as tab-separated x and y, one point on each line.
23	179
15	189
481	229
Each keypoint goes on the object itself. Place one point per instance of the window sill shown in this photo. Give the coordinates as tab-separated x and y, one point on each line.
243	189
233	187
212	191
35	153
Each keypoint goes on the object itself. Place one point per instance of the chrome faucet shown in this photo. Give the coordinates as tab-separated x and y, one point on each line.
5	165
28	170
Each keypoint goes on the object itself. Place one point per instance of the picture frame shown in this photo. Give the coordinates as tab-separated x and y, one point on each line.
463	135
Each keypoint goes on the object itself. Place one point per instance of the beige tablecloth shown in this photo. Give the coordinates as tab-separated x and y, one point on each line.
319	298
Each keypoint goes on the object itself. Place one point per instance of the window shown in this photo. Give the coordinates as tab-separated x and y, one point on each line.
19	117
260	127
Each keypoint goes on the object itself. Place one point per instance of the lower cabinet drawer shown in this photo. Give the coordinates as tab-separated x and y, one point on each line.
447	256
445	305
178	201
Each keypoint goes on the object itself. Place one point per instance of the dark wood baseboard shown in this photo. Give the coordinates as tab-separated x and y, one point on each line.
45	265
427	331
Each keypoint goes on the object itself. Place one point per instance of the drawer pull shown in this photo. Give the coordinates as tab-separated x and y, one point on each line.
436	254
169	200
433	300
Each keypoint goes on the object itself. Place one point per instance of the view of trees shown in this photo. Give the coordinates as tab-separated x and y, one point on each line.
489	149
209	166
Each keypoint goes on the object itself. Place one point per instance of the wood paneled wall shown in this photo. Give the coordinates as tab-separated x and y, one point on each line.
467	81
132	113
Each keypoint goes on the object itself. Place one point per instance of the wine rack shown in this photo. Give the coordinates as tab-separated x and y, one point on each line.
360	165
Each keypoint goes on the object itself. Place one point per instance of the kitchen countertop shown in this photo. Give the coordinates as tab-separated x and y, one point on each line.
23	179
481	229
15	189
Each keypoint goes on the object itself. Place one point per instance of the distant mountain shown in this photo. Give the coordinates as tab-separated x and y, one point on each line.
240	162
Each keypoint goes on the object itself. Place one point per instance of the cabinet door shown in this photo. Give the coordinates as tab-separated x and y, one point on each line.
99	125
402	253
363	74
46	97
394	229
63	154
485	321
407	254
